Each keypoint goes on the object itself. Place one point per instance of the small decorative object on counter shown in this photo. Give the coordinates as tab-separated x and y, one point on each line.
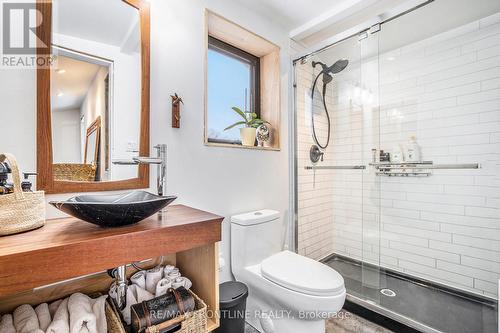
263	134
176	110
251	122
21	211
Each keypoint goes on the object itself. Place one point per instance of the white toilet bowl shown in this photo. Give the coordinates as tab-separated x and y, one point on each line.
288	293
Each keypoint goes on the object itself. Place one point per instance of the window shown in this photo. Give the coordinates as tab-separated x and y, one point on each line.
233	80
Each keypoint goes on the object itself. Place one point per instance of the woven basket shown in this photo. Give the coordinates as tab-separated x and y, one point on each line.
113	320
191	322
74	172
20	211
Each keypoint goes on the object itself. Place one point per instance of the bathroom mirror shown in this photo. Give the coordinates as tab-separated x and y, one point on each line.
93	101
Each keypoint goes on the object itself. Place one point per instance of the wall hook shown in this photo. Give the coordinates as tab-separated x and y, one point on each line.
176	110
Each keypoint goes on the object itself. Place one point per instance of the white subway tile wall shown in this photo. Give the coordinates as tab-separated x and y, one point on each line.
445	90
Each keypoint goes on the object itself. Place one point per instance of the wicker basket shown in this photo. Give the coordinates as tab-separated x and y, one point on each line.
74	172
20	211
192	322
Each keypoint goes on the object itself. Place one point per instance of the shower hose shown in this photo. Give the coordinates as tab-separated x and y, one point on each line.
315	138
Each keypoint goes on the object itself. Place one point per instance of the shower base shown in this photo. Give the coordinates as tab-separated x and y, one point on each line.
419	304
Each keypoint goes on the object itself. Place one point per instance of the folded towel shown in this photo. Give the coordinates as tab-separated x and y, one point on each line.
53	307
25	319
99	309
81	317
60	321
43	314
140	294
131	300
162	286
7	324
139	279
153	275
167	269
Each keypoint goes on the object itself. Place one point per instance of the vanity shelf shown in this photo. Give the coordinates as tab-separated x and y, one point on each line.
416	169
69	255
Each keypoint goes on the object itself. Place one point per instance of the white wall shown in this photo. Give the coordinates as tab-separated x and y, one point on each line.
446	227
221	180
66	135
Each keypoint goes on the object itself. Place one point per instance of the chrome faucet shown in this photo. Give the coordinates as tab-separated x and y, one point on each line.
160	160
119	273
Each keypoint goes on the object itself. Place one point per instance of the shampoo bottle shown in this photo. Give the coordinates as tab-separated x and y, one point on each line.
397	154
413	150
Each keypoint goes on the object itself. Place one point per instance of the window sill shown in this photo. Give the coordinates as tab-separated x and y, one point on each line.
229	145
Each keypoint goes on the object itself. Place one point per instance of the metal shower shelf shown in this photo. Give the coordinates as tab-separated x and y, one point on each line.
417	169
335	167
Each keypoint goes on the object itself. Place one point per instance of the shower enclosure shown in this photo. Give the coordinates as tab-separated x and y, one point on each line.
417	238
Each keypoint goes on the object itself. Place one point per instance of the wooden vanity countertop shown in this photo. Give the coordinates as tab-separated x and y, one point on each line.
68	247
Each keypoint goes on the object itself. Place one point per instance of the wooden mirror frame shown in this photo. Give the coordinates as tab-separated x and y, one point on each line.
45	180
94	127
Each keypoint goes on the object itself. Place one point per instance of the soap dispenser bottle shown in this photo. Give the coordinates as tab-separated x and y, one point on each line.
413	153
26	184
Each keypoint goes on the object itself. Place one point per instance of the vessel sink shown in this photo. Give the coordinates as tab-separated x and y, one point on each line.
114	210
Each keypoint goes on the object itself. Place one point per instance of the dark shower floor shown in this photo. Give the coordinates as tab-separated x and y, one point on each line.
443	310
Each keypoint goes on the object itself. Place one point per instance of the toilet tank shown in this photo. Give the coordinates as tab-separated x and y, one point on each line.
254	237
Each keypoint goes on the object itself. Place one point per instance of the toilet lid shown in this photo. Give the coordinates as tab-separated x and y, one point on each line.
302	274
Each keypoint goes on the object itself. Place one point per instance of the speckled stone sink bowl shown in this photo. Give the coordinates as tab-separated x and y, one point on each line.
114	210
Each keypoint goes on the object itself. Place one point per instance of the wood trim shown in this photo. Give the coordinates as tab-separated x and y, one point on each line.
94	126
45	180
270	76
67	248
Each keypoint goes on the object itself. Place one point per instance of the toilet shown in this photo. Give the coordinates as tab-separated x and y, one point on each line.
288	293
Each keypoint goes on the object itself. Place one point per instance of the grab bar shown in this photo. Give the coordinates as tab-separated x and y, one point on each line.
335	167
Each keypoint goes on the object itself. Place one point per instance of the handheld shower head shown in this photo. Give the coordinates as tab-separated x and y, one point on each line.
338	66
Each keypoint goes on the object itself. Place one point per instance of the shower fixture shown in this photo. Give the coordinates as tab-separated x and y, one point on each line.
326	73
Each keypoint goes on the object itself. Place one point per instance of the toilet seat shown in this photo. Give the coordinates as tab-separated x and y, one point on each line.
302	274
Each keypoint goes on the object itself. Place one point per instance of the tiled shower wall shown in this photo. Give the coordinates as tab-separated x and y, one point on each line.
446	228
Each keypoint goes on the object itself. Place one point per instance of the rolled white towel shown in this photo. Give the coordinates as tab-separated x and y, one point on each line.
140	294
43	314
53	307
99	309
162	286
139	279
167	269
7	324
37	331
60	321
130	301
181	282
173	274
25	319
81	317
153	275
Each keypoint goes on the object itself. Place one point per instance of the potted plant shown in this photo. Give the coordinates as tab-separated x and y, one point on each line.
250	122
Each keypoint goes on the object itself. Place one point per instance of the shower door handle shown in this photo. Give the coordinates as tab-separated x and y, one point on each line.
335	167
